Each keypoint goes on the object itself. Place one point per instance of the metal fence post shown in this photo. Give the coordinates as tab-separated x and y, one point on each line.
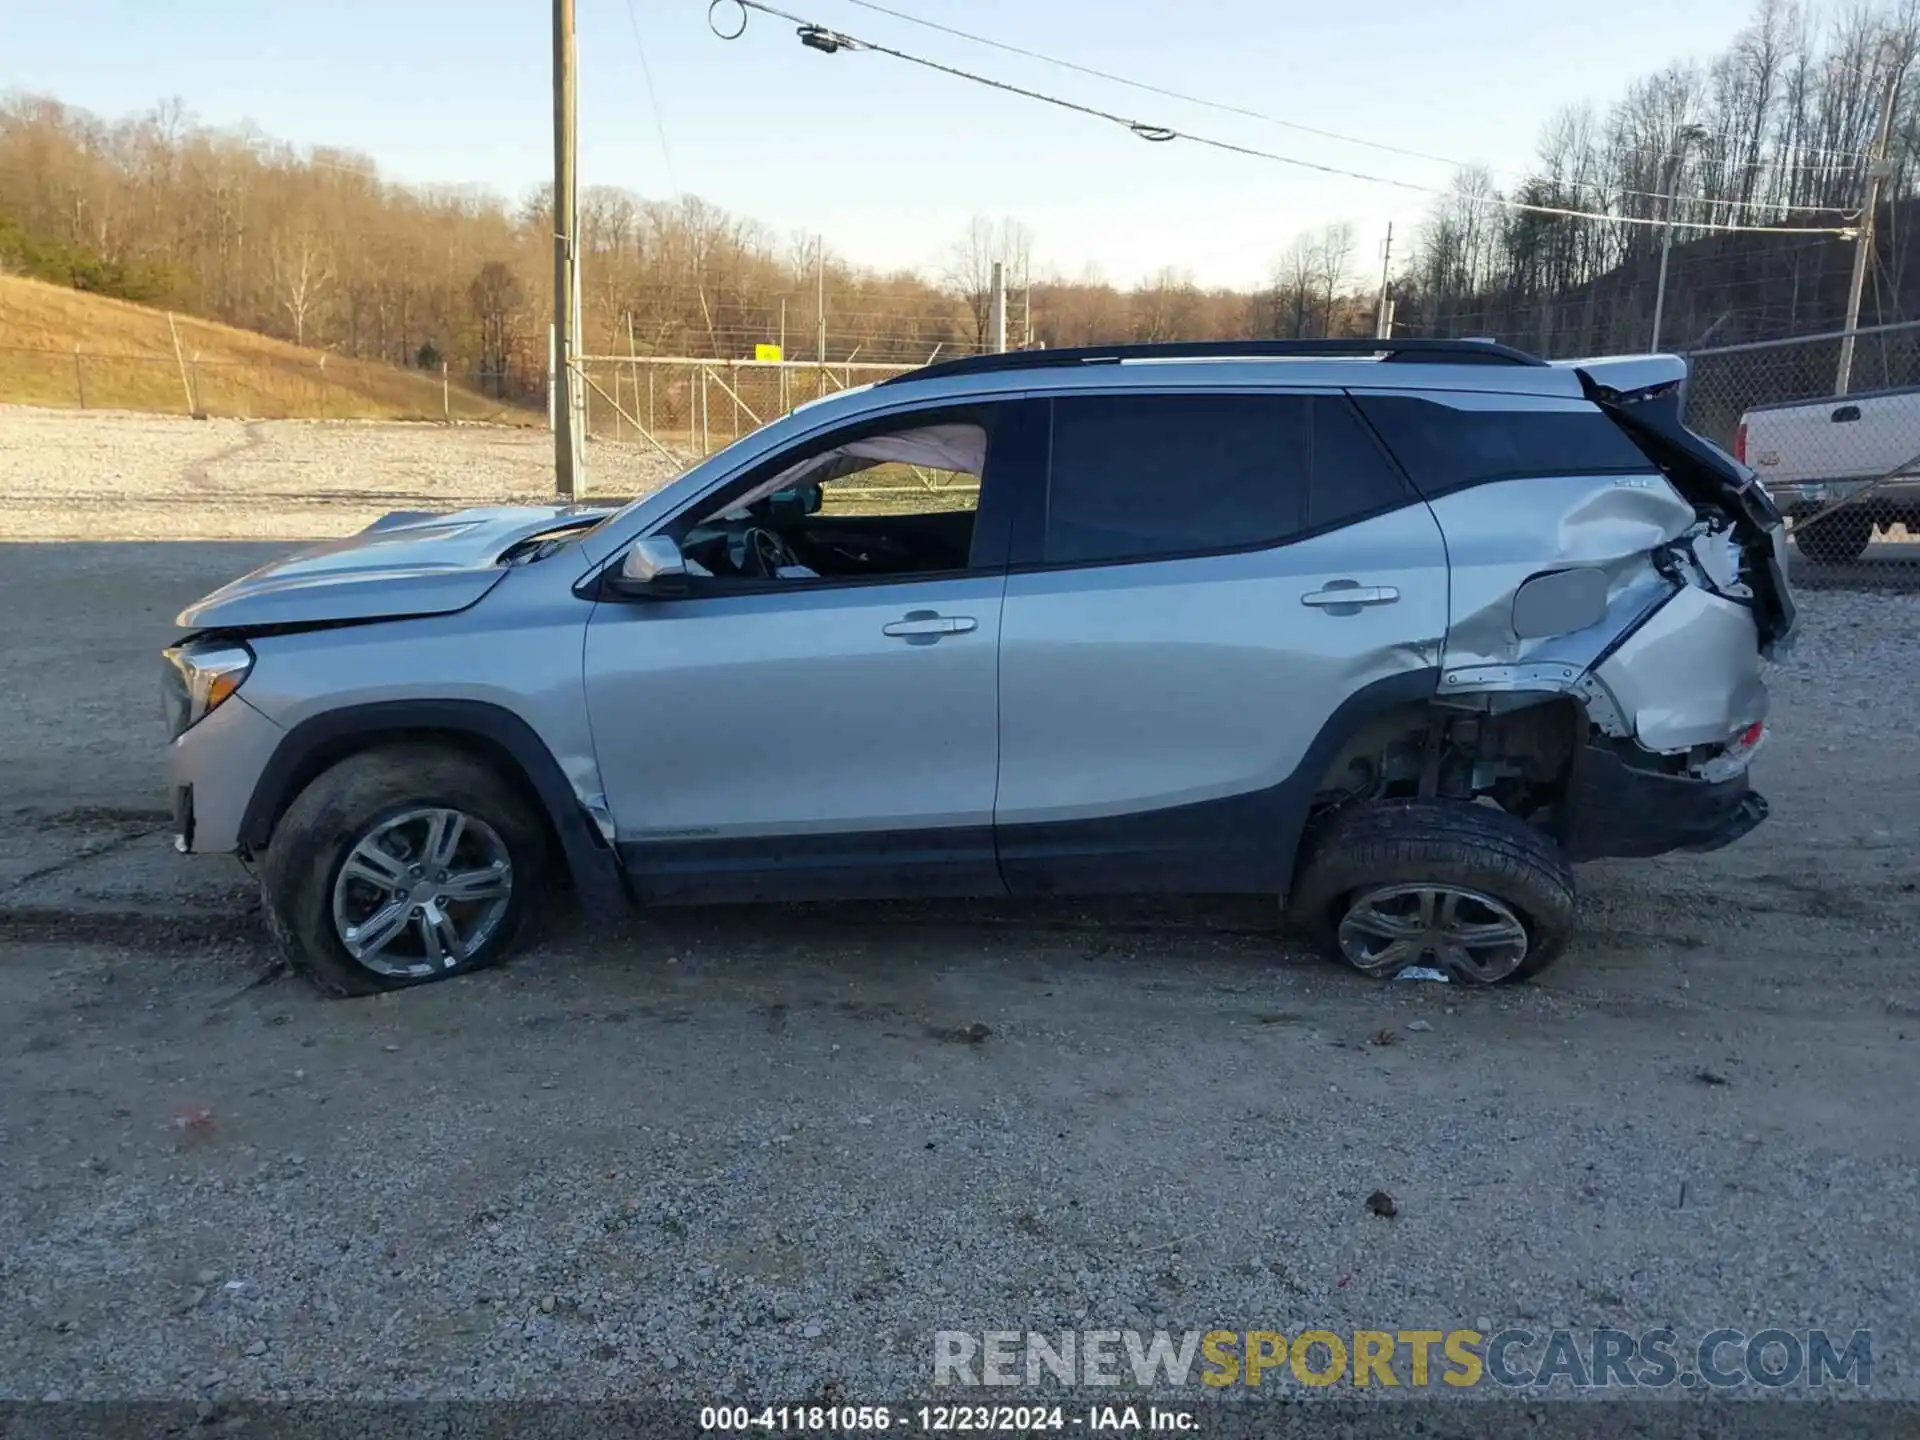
79	377
181	360
196	405
706	438
446	396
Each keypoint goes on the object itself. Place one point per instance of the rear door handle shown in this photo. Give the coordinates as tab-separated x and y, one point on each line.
1351	595
925	625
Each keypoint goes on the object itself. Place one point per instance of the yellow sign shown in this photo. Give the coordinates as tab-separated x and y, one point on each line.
766	352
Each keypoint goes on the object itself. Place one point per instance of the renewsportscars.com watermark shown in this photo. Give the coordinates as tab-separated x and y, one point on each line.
1514	1359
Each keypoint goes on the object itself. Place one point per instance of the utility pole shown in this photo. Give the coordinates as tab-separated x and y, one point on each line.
820	301
1877	172
566	216
997	309
1383	322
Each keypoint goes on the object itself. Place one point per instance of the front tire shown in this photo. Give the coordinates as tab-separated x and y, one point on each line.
1467	889
400	866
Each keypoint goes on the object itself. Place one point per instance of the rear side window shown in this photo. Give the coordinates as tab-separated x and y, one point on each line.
1135	477
1352	476
1444	449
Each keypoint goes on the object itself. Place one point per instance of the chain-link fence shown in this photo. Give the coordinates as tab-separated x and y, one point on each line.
695	407
274	387
1844	468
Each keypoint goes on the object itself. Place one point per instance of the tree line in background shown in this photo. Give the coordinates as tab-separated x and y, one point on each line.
1775	131
315	247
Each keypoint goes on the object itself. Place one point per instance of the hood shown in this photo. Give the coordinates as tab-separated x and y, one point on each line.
406	563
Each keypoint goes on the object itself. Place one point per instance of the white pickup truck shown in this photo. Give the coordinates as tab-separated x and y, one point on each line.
1838	468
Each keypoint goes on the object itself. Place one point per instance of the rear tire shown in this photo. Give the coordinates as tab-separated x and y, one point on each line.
1834	538
377	794
1364	888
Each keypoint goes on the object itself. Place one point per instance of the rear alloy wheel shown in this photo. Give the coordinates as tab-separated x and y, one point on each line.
402	865
1389	928
1835	537
1465	889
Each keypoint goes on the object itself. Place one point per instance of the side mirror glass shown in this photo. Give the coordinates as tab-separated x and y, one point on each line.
653	565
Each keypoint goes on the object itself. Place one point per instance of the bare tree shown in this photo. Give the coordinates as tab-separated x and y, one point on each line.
302	275
1333	254
1294	271
1165	307
495	295
969	269
969	274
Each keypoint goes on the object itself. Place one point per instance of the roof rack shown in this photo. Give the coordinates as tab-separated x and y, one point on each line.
1432	352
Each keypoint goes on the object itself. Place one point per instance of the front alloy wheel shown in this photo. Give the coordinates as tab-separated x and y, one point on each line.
421	892
400	865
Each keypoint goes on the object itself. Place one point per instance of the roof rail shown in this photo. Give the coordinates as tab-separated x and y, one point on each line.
1433	352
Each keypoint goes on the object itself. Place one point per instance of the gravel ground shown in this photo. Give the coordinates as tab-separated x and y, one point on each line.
768	1152
75	475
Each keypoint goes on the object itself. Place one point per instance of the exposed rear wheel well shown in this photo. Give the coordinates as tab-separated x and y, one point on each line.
1516	750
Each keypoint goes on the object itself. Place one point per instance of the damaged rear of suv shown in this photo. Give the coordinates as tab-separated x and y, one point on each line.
1396	632
1616	582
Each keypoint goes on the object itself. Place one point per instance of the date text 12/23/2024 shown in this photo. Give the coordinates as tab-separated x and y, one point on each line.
945	1419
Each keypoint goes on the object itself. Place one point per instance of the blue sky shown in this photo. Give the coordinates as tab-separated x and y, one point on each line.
889	161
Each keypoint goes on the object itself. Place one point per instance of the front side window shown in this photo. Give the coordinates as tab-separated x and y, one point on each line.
1142	477
899	502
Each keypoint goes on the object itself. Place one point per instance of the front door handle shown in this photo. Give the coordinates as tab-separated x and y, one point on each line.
925	626
1336	595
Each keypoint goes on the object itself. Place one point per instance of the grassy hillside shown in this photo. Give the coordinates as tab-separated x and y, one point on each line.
127	362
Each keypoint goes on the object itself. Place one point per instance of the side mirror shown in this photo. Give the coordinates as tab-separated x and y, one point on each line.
653	565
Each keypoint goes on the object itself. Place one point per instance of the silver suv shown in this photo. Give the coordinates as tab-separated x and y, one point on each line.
1393	631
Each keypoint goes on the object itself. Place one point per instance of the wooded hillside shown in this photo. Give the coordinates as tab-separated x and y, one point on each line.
315	247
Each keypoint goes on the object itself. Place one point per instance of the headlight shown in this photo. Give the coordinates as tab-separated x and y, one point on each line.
200	675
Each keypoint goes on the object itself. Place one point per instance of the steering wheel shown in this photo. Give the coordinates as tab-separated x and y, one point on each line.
764	552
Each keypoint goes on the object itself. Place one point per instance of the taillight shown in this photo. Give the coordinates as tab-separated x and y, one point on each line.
1740	443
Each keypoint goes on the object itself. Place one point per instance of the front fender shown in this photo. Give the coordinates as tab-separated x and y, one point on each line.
503	737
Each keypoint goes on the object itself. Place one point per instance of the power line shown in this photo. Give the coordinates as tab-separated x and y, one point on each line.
1226	107
819	37
1142	85
653	99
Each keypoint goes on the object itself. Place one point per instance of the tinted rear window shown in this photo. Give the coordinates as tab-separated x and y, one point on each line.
1352	476
1444	449
1135	477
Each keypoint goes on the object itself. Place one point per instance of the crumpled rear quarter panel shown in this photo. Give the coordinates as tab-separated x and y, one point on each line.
1499	535
1690	675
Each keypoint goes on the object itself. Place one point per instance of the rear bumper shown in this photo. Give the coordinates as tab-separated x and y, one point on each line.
1615	810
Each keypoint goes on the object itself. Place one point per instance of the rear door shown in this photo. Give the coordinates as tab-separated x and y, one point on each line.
1214	590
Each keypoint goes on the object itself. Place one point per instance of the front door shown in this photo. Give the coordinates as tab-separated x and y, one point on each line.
818	715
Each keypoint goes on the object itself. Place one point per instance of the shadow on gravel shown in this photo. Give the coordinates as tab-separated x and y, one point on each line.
140	930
